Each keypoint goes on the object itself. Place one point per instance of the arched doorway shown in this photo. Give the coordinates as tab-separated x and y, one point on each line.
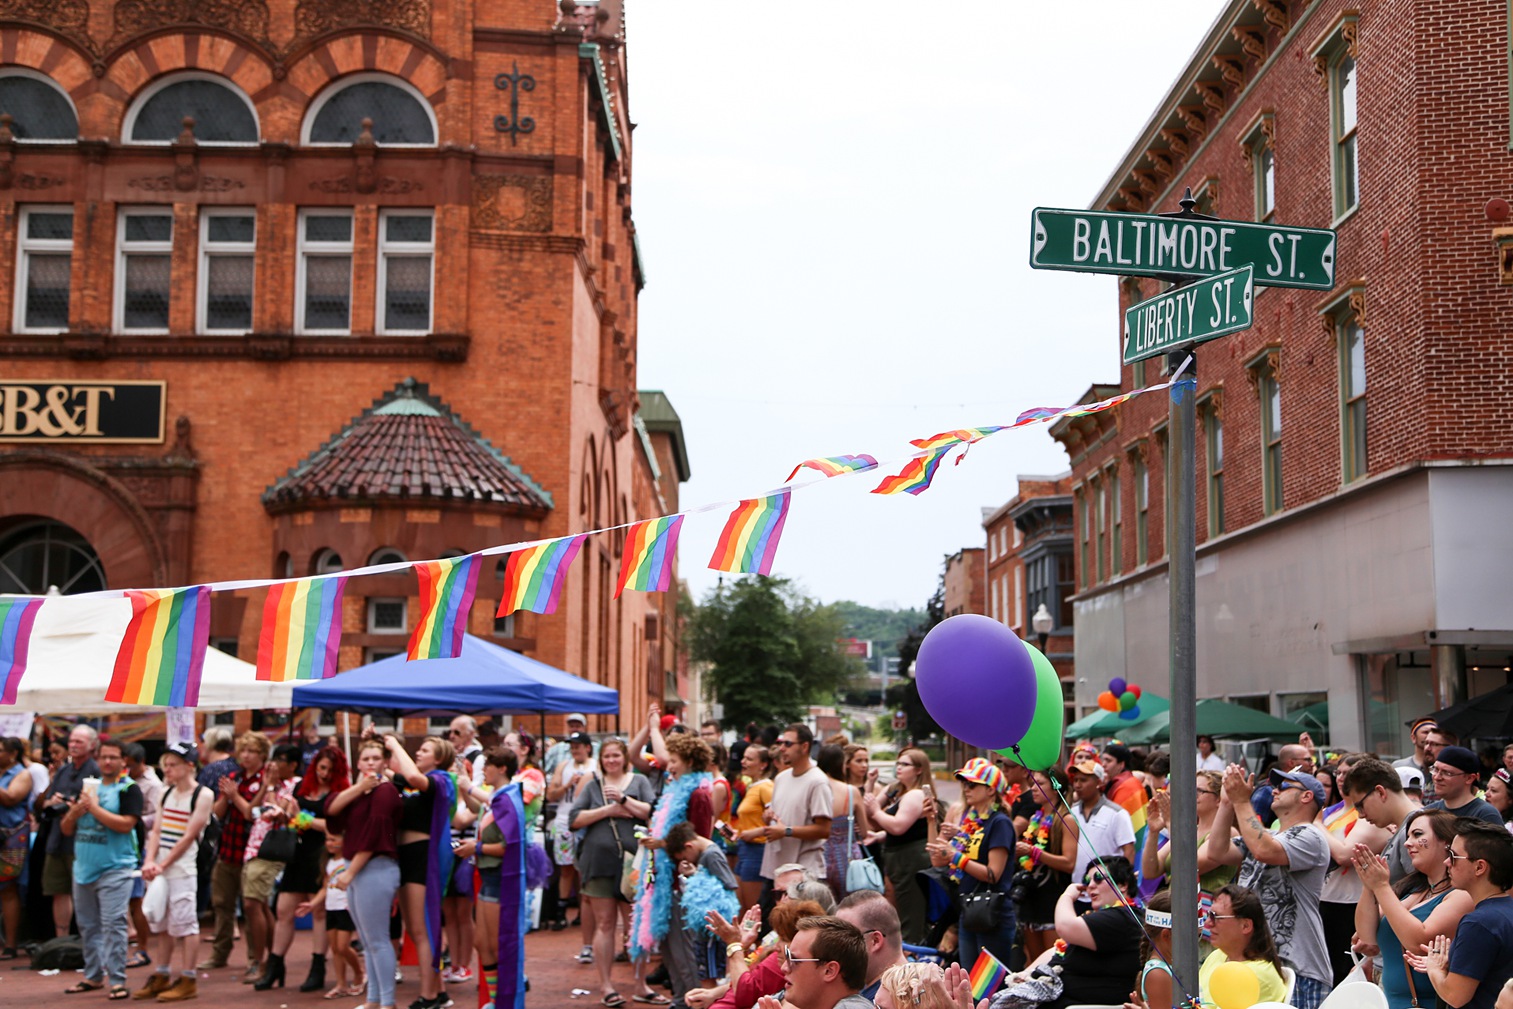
40	554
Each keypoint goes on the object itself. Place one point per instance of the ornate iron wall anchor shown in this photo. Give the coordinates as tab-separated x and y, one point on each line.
514	82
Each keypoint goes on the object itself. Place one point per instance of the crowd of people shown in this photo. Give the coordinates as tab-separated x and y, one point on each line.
780	868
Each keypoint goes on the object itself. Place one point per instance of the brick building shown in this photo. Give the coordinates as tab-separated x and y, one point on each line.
1354	453
1030	564
299	285
965	582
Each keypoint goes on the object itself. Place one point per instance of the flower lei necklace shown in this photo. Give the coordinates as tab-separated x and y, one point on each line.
1037	833
967	840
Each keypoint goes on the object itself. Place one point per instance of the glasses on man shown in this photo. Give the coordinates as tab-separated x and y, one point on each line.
1440	772
789	959
1455	856
1210	917
785	743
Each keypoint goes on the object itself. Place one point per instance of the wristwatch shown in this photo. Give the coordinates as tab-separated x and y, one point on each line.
787	831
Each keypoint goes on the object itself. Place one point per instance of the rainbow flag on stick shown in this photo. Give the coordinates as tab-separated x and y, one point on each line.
16	618
301	630
916	475
163	652
749	541
533	577
650	549
835	465
446	594
986	975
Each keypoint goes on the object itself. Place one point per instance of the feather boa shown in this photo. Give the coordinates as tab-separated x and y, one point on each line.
653	908
703	892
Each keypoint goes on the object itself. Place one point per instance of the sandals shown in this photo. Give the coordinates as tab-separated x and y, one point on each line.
614	1000
118	992
138	958
81	986
345	991
651	998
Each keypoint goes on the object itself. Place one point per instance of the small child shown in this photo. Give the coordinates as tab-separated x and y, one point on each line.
707	884
339	926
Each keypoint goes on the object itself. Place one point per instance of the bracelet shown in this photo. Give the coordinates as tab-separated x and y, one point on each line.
1035	856
734	949
959	861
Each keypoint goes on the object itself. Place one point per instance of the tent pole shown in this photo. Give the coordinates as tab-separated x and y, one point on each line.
346	735
542	741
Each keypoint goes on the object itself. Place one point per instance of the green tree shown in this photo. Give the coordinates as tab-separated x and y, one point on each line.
772	651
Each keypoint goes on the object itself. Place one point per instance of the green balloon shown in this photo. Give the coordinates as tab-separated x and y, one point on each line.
1041	746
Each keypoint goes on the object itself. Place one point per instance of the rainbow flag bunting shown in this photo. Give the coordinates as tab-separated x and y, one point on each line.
916	475
835	465
749	541
446	594
650	549
163	652
987	974
301	630
16	618
533	577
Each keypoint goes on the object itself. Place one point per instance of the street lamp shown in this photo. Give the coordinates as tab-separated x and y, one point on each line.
1042	621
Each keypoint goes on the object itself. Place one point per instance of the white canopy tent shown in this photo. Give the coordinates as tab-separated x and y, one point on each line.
73	650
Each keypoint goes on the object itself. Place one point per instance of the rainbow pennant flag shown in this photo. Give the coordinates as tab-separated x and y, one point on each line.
916	475
446	594
650	549
533	577
835	465
16	618
986	975
301	630
163	652
749	541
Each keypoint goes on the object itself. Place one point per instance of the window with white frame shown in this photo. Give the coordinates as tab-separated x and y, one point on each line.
228	242
406	250
324	282
44	269
1346	171
144	264
1353	396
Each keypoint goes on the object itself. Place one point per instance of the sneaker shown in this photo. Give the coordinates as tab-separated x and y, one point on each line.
420	1003
585	955
457	975
399	976
442	1001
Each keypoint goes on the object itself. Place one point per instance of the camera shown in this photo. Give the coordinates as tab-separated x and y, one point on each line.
1019	889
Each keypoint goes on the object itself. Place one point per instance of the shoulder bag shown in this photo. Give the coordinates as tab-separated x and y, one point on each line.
861	872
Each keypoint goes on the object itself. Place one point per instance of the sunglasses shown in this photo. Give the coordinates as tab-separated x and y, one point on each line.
1454	856
785	743
789	959
1210	917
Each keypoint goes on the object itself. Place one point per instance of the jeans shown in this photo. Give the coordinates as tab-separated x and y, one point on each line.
369	897
999	942
100	908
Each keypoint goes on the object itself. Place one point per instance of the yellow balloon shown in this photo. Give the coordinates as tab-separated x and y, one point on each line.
1234	986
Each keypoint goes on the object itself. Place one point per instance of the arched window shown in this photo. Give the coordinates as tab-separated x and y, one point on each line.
327	562
38	108
222	113
387	555
401	115
39	555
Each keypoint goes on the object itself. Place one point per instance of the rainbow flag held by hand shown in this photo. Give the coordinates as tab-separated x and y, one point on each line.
163	652
651	547
835	465
916	475
17	615
446	594
301	632
749	541
533	577
986	975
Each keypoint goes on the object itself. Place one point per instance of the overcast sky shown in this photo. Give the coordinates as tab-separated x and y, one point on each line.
833	204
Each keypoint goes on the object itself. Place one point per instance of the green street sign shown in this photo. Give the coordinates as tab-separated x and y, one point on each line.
1210	308
1149	245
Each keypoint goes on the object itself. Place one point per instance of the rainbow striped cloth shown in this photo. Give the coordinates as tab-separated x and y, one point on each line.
986	975
17	615
301	633
533	577
835	465
163	652
916	475
749	541
651	548
447	587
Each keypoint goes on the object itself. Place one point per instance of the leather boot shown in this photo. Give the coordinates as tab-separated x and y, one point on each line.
157	983
273	973
183	989
317	979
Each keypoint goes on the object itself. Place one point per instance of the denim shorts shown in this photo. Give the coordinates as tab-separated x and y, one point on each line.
748	861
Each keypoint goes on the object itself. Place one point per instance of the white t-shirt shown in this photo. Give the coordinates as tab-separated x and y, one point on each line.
336	898
1212	762
798	801
41	778
1105	833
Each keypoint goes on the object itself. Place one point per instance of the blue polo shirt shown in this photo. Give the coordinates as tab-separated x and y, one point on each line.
97	848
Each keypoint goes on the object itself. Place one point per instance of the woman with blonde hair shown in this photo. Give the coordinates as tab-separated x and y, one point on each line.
429	798
756	764
913	986
901	811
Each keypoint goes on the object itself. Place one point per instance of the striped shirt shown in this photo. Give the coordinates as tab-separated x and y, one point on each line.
173	819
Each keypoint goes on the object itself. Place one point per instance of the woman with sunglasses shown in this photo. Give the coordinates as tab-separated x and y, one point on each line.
1102	957
977	858
901	812
1240	934
1421	906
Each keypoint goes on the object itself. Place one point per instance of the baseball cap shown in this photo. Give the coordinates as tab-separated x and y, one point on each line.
1460	758
1086	767
185	752
1303	778
1411	777
580	737
577	717
979	771
668	721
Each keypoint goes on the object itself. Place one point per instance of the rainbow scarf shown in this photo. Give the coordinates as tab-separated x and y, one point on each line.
439	865
749	541
16	619
652	912
508	810
446	594
533	577
163	652
301	632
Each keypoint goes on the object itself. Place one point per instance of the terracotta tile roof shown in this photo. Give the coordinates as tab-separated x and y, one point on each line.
408	446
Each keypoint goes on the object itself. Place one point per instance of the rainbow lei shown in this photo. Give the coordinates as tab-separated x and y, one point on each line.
303	820
1038	833
967	841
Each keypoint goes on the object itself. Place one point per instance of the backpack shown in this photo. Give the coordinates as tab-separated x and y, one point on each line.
66	952
210	837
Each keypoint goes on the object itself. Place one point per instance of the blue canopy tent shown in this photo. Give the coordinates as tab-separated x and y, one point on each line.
485	679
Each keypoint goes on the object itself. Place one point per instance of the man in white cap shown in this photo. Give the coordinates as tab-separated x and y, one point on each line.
561	752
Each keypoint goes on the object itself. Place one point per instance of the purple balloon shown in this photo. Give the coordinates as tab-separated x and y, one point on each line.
977	680
1117	686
